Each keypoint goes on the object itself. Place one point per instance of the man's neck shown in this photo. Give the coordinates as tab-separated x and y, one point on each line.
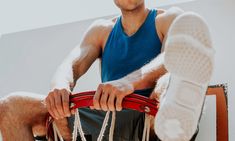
132	20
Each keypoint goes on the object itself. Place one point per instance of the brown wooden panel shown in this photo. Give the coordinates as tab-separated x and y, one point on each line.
220	91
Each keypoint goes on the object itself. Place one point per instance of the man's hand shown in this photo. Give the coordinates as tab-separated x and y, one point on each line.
109	95
57	103
161	88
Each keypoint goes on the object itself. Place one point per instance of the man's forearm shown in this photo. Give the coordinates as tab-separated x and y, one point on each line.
147	76
63	78
69	71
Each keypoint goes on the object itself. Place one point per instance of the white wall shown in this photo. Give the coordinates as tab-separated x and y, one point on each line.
23	15
29	59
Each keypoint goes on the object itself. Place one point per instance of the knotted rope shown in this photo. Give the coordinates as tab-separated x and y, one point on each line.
133	101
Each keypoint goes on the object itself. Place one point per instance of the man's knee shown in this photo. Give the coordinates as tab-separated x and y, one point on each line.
22	105
3	109
24	109
161	86
174	12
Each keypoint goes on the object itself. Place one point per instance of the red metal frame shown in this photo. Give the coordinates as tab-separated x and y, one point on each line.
85	99
132	101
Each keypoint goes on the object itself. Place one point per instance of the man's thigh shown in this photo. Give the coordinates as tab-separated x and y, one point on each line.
25	109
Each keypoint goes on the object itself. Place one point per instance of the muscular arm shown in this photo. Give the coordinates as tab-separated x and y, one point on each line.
146	76
73	67
79	60
109	95
150	73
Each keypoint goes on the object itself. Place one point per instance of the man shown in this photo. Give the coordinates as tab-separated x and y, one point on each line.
128	47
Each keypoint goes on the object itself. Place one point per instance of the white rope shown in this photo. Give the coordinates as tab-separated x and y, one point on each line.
78	128
82	135
77	125
105	123
146	130
0	130
57	133
111	130
148	127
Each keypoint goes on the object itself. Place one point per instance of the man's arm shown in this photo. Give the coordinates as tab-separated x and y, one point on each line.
73	67
109	95
147	76
150	73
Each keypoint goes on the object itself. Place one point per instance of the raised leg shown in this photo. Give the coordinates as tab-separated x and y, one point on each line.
20	114
23	116
189	60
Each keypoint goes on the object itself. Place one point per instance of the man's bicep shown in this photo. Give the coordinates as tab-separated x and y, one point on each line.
93	38
87	51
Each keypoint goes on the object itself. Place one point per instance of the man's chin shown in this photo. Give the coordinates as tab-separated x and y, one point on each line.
129	9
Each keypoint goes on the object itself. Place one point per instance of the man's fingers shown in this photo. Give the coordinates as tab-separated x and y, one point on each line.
65	103
58	104
119	102
111	102
91	107
72	111
53	108
155	95
49	108
49	104
96	99
103	101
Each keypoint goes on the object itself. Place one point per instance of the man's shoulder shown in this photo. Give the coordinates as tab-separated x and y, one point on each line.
100	30
170	13
164	18
102	25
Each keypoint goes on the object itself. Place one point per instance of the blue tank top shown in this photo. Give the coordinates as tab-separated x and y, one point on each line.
124	54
